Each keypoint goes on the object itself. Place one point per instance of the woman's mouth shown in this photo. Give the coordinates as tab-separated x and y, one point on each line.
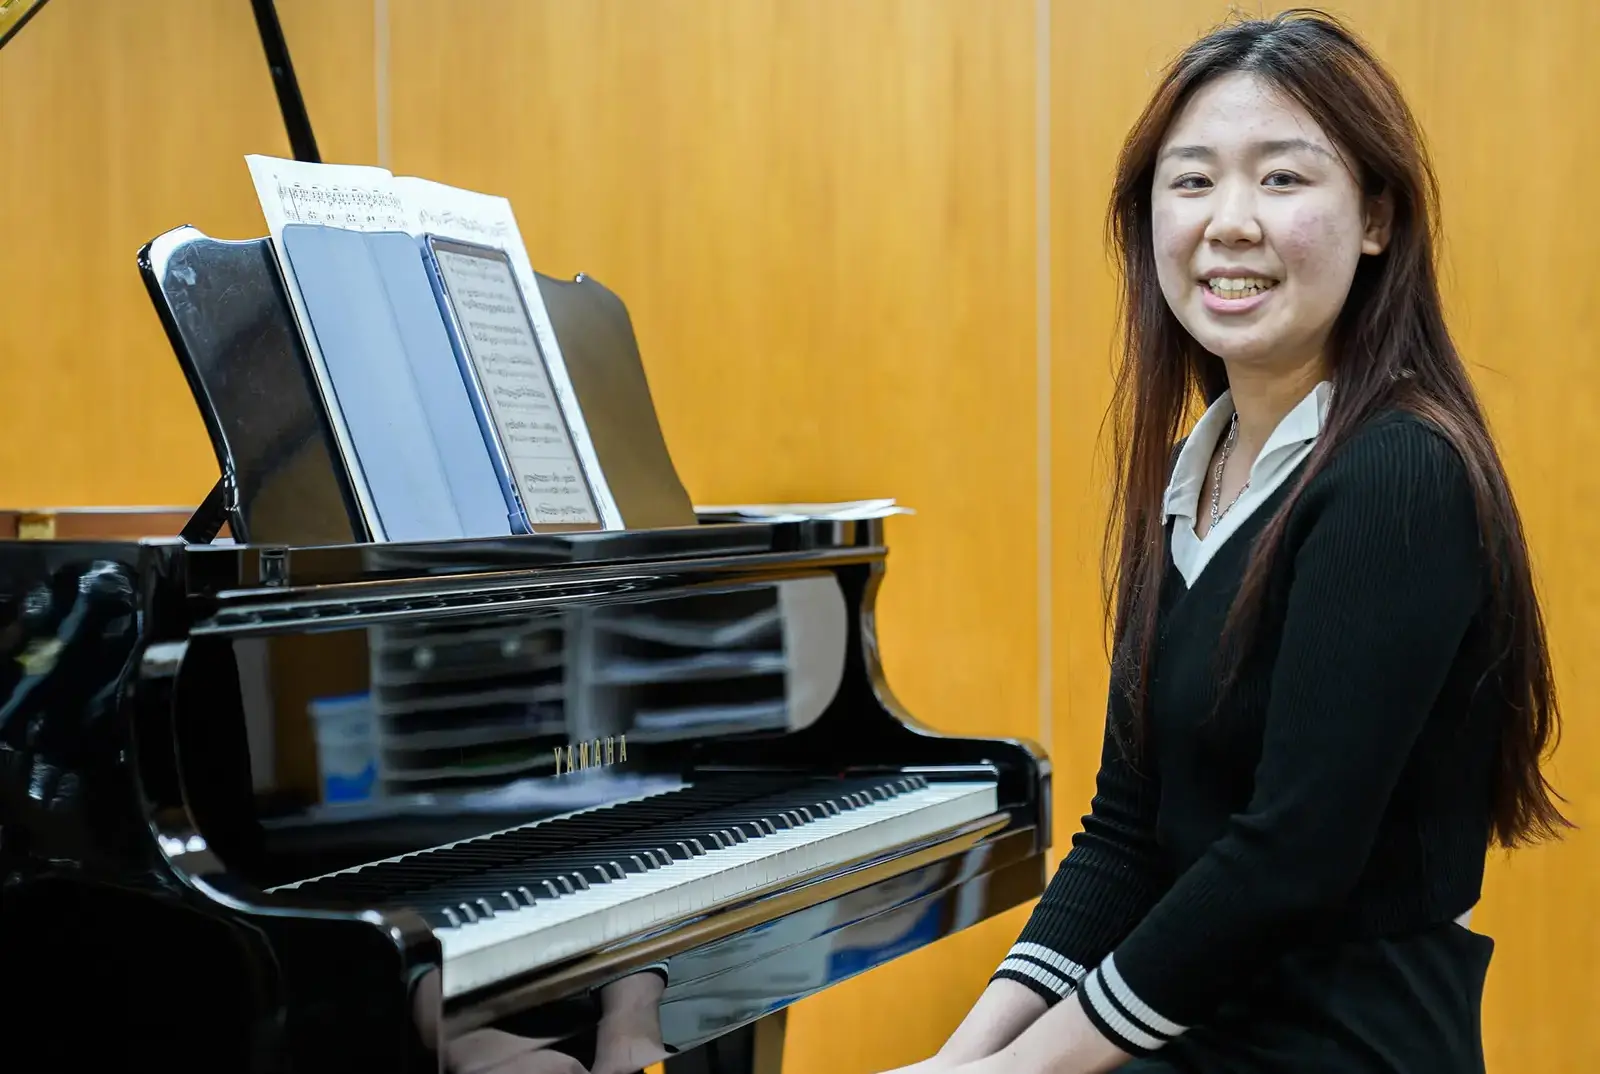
1235	294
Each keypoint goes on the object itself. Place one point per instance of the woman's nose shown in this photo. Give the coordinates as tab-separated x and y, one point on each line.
1233	216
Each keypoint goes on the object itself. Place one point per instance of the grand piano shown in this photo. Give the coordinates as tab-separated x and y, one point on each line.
300	800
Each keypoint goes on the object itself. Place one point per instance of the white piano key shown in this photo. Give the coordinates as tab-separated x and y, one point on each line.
514	942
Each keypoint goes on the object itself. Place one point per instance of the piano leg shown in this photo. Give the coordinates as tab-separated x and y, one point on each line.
756	1048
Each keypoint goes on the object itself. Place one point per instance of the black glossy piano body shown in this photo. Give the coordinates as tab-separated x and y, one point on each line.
187	730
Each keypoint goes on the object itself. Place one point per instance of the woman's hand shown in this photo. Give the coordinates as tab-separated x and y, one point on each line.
1005	1010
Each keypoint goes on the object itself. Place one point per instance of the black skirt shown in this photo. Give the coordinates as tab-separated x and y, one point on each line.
1408	1005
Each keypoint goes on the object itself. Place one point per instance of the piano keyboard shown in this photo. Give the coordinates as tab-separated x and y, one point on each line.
517	900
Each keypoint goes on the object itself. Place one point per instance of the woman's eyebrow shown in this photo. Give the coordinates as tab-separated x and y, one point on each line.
1268	148
1284	145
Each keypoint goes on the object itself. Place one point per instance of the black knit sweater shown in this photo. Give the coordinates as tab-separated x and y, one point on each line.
1340	792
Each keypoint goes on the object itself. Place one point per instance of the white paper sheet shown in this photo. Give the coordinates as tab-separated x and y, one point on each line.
842	511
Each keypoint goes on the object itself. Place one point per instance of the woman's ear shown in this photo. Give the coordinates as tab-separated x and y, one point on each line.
1379	220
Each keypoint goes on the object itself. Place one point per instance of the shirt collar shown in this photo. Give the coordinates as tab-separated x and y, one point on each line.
1300	426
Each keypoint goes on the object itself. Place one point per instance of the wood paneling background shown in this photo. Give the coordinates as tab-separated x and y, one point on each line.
117	121
822	216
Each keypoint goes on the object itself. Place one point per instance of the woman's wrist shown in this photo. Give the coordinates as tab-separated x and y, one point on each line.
1005	1009
1063	1041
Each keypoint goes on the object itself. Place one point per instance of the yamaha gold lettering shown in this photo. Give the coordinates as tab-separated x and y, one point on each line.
597	753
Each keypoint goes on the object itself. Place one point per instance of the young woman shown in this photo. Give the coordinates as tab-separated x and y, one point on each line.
1331	691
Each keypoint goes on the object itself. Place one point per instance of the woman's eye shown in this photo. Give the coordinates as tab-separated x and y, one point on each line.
1281	179
1190	182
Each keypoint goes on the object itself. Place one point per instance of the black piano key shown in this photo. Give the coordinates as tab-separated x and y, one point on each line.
619	861
546	878
596	866
442	917
545	881
373	882
500	898
471	890
554	858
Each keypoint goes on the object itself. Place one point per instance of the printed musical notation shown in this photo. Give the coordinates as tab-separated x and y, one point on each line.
450	222
353	207
351	196
523	405
513	397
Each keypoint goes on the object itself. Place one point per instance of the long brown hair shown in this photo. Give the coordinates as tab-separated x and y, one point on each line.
1389	348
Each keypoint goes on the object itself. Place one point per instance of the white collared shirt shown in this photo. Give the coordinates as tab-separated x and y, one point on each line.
1285	449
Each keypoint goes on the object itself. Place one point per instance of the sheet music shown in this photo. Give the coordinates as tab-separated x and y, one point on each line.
364	198
524	407
348	196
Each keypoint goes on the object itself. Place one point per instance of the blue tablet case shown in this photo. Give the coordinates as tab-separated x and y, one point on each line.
394	373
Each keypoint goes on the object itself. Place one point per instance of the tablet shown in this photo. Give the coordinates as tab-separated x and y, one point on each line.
509	383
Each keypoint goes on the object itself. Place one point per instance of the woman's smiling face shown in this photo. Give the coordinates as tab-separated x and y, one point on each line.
1258	224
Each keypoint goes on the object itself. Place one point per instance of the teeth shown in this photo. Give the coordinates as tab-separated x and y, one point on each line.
1239	286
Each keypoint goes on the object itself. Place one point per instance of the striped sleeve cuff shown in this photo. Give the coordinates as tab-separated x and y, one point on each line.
1125	1019
1050	974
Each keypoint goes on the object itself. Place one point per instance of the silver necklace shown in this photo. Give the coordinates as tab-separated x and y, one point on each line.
1217	511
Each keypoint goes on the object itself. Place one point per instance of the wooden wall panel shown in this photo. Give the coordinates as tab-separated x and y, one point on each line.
334	51
821	218
1510	99
117	122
